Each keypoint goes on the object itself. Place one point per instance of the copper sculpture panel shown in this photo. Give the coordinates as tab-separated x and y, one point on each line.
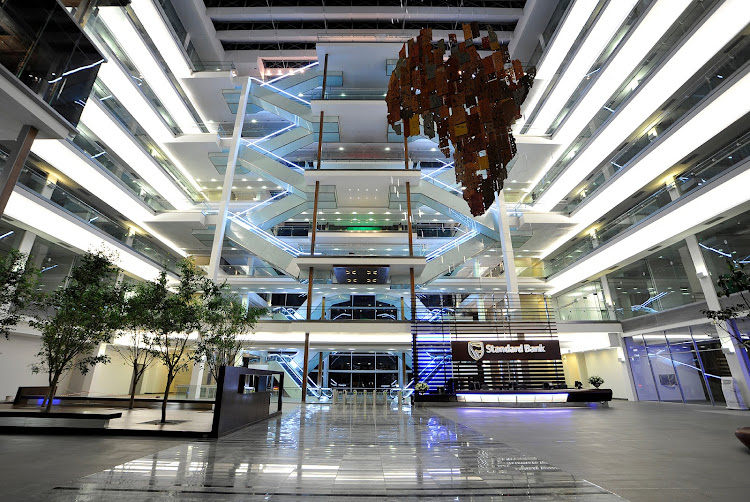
466	100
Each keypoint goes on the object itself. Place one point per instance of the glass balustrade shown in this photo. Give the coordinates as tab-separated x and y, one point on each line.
89	143
670	41
127	121
707	83
720	162
591	75
73	205
97	28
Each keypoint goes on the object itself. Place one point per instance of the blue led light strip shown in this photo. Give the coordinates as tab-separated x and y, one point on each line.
264	84
452	244
265	235
292	73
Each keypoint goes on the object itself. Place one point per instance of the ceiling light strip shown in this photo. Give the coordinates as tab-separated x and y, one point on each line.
138	52
600	35
718	30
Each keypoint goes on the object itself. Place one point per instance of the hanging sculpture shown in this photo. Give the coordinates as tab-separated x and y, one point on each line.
466	99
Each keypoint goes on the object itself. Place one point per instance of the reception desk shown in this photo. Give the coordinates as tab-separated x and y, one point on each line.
530	398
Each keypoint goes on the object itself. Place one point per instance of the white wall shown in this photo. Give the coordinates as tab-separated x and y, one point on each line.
614	372
111	379
16	355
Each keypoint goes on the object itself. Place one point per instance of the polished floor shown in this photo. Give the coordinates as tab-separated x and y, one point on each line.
341	453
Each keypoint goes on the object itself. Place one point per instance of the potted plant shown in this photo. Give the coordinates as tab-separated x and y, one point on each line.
421	388
596	380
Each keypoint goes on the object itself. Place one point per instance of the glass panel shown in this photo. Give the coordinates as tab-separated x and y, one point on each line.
641	369
665	377
362	362
339	380
687	366
386	362
340	362
44	47
386	380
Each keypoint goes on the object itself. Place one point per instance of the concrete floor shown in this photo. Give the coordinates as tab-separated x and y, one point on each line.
642	451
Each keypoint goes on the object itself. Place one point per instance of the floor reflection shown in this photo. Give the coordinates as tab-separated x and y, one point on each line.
335	452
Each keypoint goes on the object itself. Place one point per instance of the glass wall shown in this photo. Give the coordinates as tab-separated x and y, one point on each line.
663	280
683	365
728	240
585	303
356	371
46	50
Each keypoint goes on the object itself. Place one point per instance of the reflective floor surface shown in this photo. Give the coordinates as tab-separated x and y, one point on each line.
341	453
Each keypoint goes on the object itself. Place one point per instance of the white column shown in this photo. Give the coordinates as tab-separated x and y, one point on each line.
226	192
509	260
87	381
196	379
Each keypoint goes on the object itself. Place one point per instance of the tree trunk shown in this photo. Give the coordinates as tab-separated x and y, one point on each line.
52	389
170	377
133	384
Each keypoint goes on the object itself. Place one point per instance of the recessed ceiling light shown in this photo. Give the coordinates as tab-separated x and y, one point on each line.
254	121
341	148
387	148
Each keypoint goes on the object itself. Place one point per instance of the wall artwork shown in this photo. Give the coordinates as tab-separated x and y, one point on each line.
468	101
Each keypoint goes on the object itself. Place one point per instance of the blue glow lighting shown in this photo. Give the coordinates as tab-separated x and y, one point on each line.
289	163
727	255
76	70
260	204
292	73
264	84
268	136
48	268
6	234
452	244
265	235
645	305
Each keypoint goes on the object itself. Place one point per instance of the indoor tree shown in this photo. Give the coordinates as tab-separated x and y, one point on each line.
173	317
139	351
76	319
17	289
224	320
737	281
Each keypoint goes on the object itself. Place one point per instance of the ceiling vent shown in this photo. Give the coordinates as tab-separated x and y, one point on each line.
654	248
714	220
637	194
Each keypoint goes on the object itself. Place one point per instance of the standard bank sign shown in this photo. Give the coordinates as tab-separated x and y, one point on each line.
514	350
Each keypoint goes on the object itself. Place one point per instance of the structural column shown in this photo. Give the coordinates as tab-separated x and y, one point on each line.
226	192
16	159
509	260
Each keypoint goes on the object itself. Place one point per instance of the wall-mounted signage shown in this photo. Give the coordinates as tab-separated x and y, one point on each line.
525	350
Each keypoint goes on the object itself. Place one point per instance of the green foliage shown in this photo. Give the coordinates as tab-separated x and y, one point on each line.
224	319
139	353
74	320
596	380
173	317
737	281
421	387
17	289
